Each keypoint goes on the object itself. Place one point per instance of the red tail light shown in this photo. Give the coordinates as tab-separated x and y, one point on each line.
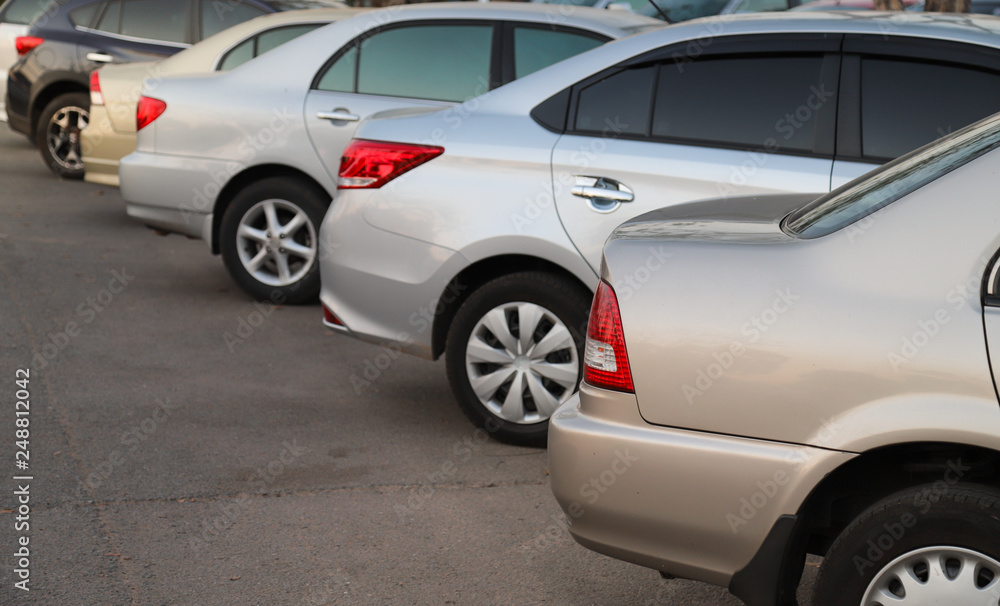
96	96
26	44
372	164
329	318
149	109
605	361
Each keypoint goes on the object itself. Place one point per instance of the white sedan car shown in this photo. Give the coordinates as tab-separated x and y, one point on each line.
248	159
15	15
483	241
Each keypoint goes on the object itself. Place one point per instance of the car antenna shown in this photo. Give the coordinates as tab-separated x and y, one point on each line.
660	10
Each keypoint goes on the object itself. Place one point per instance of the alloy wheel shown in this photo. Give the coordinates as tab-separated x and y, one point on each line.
276	242
63	136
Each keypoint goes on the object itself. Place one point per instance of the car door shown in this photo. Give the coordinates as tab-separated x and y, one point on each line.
418	64
128	31
894	100
746	116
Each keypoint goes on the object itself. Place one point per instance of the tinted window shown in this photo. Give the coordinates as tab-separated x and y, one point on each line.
621	102
274	38
84	16
239	55
536	48
885	185
23	11
906	105
339	77
111	20
217	15
156	20
442	62
741	101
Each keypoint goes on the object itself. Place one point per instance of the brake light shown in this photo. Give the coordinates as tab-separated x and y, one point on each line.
96	96
605	361
26	44
371	164
149	109
330	318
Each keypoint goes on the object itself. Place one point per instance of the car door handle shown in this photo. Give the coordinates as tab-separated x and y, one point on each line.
338	115
603	195
100	57
599	192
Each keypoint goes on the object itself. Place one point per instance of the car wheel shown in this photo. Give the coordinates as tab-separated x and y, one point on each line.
269	239
58	134
514	353
934	544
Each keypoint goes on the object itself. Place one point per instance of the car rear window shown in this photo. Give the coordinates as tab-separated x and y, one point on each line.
899	178
23	12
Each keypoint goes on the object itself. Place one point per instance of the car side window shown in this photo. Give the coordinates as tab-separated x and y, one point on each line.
84	16
536	48
742	101
435	62
111	19
23	12
906	104
218	15
261	43
621	102
156	20
761	6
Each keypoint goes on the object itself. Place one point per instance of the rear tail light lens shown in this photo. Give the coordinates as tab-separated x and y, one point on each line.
149	109
605	361
26	44
96	96
371	164
329	318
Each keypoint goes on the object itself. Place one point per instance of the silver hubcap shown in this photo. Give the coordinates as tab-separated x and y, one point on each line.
522	362
937	575
63	136
276	242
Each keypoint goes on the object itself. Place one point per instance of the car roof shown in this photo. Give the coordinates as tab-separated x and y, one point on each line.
613	23
210	48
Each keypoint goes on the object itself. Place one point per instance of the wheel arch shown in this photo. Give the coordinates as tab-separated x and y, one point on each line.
876	474
251	175
474	276
47	94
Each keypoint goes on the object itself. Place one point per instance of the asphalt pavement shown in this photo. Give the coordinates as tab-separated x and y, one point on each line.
188	445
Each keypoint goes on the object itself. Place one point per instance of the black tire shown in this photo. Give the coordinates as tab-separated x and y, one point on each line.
59	141
920	522
291	196
566	301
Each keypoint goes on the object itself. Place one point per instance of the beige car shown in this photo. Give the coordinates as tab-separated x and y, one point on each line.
115	89
764	379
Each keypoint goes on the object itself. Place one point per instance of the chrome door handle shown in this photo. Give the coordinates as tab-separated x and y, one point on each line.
338	115
100	57
603	195
599	192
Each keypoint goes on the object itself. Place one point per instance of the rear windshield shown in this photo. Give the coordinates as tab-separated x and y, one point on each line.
22	12
899	178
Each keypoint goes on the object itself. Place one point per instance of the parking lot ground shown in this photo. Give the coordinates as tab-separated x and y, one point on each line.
191	446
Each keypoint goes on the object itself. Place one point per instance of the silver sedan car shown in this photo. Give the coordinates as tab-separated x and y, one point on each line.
247	160
817	381
478	234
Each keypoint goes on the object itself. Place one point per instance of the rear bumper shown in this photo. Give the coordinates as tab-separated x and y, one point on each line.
103	148
691	504
384	287
174	193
